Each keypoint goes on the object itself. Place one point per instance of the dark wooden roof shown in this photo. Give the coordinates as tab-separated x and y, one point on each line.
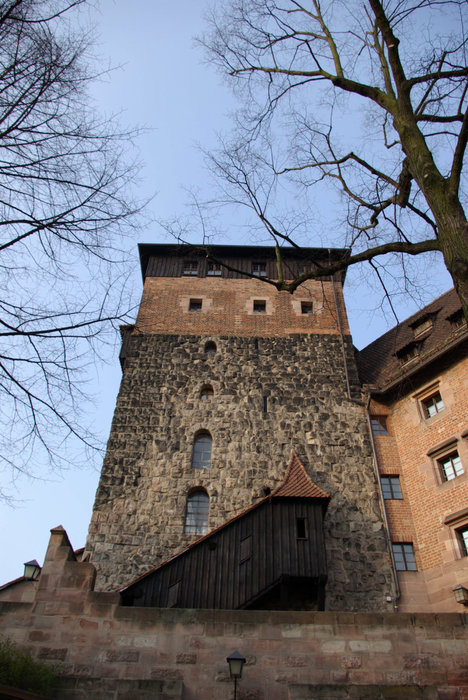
381	364
166	260
247	556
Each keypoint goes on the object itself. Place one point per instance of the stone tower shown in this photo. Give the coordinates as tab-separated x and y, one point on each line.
222	377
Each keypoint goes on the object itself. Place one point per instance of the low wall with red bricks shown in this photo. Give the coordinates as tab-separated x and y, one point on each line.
105	650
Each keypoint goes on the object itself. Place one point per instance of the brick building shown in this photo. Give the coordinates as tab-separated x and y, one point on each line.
416	376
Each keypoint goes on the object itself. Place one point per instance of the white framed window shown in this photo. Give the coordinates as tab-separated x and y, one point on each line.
403	553
450	466
432	405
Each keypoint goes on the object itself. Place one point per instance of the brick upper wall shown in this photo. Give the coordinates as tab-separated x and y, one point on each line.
227	308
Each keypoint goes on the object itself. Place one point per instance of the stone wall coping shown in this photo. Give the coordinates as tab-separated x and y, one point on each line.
255	617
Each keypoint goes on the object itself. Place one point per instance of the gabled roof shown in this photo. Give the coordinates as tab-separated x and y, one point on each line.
296	484
380	363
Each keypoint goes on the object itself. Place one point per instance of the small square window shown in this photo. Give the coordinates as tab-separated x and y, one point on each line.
195	304
450	466
404	556
391	488
190	267
432	405
462	536
259	306
306	307
259	269
214	269
379	425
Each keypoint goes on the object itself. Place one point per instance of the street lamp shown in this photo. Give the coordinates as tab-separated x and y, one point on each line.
32	570
236	662
461	594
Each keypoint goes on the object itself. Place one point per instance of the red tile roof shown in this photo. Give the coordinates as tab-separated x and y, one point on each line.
296	484
379	364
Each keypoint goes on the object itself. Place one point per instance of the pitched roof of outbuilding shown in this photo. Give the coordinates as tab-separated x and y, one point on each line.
379	363
296	484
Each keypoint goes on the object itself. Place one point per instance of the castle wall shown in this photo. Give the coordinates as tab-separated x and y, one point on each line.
103	650
140	504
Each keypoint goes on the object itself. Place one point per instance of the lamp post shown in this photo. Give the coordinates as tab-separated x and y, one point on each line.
461	594
32	570
236	661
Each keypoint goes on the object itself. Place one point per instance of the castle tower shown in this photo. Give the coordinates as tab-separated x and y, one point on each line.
222	377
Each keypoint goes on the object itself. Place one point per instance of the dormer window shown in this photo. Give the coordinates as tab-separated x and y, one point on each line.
423	327
259	269
408	353
457	320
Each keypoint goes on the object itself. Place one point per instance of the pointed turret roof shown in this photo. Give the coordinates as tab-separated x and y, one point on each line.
297	483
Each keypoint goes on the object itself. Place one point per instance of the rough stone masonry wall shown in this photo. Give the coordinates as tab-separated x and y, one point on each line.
106	651
140	505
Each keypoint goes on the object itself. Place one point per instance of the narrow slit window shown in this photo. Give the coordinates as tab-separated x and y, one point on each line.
301	529
265	404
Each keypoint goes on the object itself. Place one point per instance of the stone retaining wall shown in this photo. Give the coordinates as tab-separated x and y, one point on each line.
108	651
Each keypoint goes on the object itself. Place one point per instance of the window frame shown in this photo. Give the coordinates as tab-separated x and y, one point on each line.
307	308
210	349
446	458
214	269
196	519
195	305
393	479
379	425
259	306
427	402
190	268
199	460
461	533
206	392
261	271
408	558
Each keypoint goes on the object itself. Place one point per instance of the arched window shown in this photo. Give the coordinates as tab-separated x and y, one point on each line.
206	392
210	348
201	455
196	513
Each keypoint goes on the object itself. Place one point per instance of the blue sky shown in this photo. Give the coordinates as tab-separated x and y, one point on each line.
162	83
